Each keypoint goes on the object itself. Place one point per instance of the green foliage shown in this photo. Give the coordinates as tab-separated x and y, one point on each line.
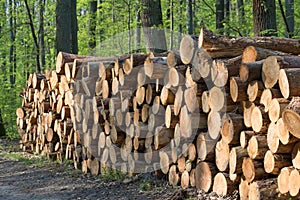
110	174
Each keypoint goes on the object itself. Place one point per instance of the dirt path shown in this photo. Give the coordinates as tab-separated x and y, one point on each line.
25	176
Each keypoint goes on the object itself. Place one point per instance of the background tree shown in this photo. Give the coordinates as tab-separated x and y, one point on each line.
189	16
264	14
92	24
153	26
290	17
220	15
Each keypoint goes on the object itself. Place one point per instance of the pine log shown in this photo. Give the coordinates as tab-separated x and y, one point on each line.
236	159
222	155
263	190
214	124
257	147
205	102
232	125
283	180
252	169
270	71
276	108
223	46
289	82
252	54
294	182
204	174
178	100
244	189
155	69
173	59
238	89
205	148
274	162
188	48
250	71
259	119
267	96
254	90
222	184
202	63
291	117
173	176
296	156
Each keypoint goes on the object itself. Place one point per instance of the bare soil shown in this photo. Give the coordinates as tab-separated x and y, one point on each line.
27	176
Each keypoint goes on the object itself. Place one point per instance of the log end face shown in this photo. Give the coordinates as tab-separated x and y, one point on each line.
284	84
292	122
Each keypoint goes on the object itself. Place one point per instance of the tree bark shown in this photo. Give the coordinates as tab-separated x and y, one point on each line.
264	14
63	25
152	26
92	24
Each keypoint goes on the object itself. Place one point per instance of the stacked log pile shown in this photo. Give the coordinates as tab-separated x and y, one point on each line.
219	115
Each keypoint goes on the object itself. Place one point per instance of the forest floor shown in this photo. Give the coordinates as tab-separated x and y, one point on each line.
27	176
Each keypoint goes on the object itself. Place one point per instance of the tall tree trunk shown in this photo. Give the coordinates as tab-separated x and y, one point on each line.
171	25
180	22
220	6
264	14
189	16
92	24
241	14
138	26
12	50
128	25
63	25
41	34
2	127
227	15
153	26
290	16
35	37
74	28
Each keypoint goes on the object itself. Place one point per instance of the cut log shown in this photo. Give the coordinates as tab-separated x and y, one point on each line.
236	159
205	102
214	124
276	108
244	189
205	147
283	180
232	125
289	82
188	47
291	117
173	176
252	54
273	163
252	169
259	119
238	89
204	174
294	182
178	100
173	59
267	96
222	184
270	71
257	146
202	63
251	71
223	46
296	156
254	90
222	155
